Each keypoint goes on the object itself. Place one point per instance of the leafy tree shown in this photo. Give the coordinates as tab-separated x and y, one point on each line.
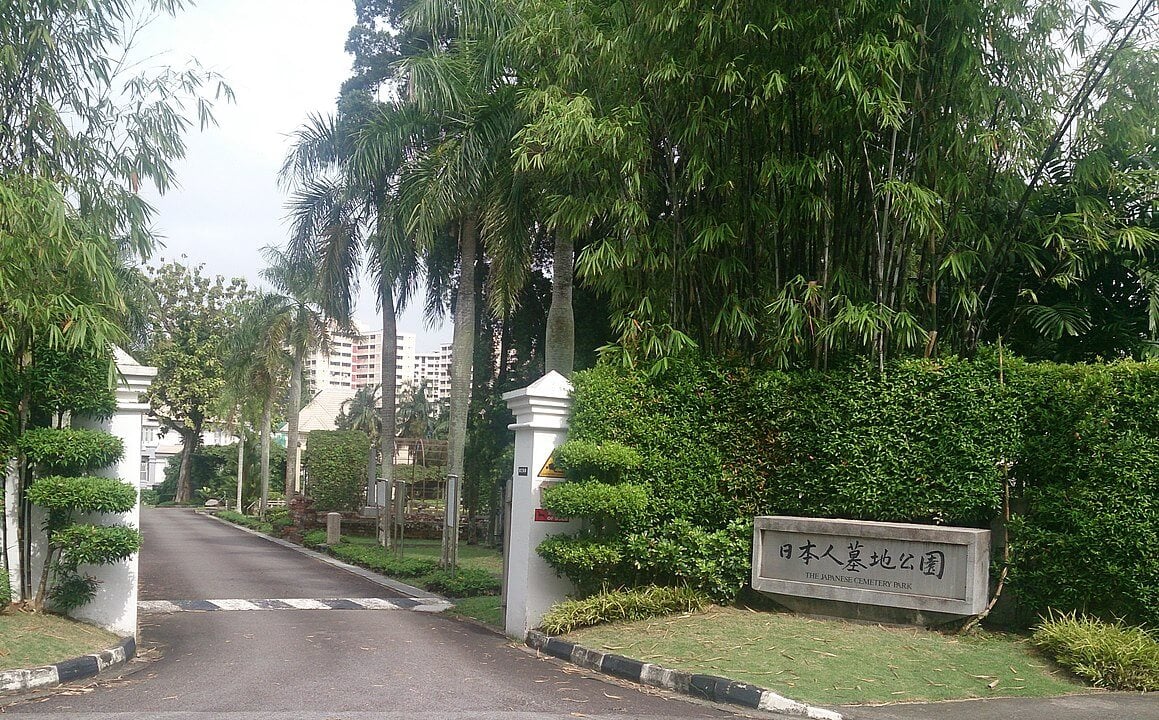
82	111
82	126
193	317
790	182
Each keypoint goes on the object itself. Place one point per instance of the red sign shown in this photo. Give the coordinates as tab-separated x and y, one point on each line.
544	515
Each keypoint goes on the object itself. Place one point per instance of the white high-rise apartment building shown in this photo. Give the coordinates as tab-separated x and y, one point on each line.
356	363
368	359
331	369
434	368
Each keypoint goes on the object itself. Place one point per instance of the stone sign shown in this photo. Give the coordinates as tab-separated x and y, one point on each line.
914	567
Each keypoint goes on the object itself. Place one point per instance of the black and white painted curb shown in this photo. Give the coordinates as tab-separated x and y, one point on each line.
85	666
161	607
705	687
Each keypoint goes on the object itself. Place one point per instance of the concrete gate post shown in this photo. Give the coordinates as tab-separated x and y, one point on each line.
530	586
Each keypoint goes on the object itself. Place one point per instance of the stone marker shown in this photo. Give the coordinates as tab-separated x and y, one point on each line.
819	565
333	528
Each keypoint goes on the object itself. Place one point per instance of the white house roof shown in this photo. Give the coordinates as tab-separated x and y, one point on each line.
319	414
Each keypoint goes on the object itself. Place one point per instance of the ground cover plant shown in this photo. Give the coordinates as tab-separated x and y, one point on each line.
29	640
479	572
1110	655
618	605
252	523
833	662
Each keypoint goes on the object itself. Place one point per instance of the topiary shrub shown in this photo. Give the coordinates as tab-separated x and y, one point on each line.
608	462
63	496
590	563
70	544
335	462
604	506
69	451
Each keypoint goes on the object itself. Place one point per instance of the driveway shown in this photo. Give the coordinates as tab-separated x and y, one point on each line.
271	659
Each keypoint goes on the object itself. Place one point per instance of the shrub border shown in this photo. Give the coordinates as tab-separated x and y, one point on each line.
705	687
431	602
78	668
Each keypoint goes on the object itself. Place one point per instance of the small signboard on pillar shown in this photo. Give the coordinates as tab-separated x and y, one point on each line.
530	585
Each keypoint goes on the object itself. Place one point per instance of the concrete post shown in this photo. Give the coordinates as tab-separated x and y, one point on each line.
333	528
115	605
530	585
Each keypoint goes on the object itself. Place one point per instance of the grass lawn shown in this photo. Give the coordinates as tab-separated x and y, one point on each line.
832	662
30	640
485	609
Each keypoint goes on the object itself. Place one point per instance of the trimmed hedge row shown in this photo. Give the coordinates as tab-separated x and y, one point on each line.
336	462
926	441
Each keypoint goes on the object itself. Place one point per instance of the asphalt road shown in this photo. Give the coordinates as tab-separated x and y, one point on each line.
320	664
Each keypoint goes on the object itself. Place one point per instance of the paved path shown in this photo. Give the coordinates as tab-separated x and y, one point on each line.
262	659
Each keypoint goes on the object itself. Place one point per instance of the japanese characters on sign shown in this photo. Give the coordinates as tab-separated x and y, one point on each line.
899	563
891	564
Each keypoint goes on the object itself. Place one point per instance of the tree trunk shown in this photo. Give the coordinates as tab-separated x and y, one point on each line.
264	470
23	479
559	350
240	463
388	432
189	440
295	409
372	471
462	355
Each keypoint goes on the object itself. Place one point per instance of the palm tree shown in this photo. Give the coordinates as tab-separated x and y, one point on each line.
417	417
258	366
299	317
457	174
343	211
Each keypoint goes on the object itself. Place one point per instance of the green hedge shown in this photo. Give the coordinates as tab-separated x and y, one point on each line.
926	441
335	462
1088	535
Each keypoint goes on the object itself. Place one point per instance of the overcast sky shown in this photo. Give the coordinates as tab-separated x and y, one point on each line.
284	60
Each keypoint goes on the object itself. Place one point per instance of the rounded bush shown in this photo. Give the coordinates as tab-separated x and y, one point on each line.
69	451
607	462
82	494
597	500
95	544
335	462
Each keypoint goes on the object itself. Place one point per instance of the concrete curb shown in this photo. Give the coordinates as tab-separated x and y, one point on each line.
704	687
407	590
79	668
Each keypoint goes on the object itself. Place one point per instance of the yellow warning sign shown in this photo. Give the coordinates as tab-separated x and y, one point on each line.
550	469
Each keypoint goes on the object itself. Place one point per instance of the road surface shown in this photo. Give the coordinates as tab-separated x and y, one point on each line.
334	664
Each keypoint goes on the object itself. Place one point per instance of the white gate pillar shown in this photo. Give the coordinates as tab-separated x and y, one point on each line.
115	605
530	586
